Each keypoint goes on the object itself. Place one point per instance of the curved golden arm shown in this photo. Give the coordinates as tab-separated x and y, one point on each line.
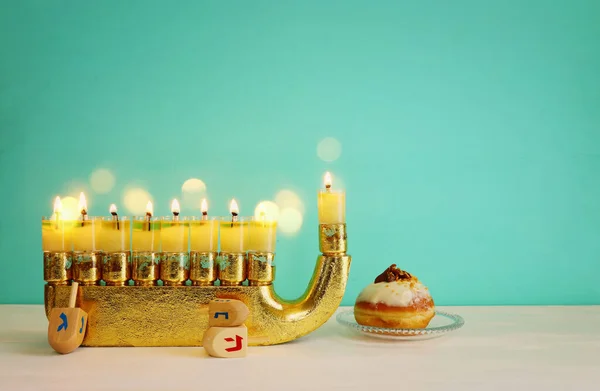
282	321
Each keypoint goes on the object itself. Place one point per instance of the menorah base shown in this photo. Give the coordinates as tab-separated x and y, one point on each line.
178	315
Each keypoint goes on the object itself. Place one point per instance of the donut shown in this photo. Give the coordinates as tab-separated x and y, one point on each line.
395	300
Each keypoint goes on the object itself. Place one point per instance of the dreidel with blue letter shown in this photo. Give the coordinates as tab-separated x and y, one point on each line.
67	325
227	337
227	313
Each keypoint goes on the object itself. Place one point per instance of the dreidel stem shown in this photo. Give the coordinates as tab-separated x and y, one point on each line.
73	296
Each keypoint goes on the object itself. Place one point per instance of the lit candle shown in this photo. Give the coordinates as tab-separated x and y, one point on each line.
175	209
263	231
204	233
113	233
115	216
83	233
331	204
83	207
149	211
174	233
234	232
204	209
54	235
144	237
57	209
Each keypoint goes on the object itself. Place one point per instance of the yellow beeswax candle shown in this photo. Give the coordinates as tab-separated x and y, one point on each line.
56	233
113	234
145	235
174	235
84	237
204	232
263	233
174	232
331	204
234	232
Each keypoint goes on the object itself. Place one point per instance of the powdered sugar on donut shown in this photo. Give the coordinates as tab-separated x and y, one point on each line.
396	294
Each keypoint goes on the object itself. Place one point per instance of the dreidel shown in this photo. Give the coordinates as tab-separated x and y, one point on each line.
227	313
226	342
67	325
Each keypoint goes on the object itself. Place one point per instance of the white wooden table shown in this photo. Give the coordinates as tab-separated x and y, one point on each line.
499	348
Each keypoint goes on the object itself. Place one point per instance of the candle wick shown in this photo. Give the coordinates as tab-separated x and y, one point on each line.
234	218
83	216
204	215
175	216
148	217
116	218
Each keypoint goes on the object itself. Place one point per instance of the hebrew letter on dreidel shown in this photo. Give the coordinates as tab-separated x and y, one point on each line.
226	342
227	313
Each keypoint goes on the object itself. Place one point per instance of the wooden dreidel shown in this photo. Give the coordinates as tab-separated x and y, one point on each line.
226	342
67	325
227	313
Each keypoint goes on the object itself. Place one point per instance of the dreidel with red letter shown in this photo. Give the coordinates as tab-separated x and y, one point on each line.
227	337
67	325
226	342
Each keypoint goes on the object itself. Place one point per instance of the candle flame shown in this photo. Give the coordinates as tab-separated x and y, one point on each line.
327	180
57	206
82	204
233	208
204	206
149	209
175	209
112	209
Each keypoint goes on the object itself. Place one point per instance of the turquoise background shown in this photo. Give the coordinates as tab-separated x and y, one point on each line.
470	130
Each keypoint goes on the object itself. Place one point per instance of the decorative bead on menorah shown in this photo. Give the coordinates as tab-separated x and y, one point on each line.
148	282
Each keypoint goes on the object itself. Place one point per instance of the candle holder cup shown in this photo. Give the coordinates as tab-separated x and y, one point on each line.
261	268
203	268
87	267
174	268
144	268
232	268
333	239
57	267
116	268
148	315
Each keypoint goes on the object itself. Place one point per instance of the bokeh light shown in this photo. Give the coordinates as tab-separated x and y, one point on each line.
102	181
329	149
135	200
70	208
288	199
192	192
269	208
75	187
290	221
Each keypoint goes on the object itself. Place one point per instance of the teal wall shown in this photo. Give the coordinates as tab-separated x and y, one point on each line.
470	130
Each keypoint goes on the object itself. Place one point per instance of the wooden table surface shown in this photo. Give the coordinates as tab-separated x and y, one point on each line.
498	348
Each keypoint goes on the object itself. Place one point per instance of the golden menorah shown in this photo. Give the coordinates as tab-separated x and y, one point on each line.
175	313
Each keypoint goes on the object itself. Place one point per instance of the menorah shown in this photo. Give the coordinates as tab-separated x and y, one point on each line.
136	298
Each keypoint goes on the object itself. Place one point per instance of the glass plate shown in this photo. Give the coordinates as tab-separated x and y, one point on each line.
442	323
